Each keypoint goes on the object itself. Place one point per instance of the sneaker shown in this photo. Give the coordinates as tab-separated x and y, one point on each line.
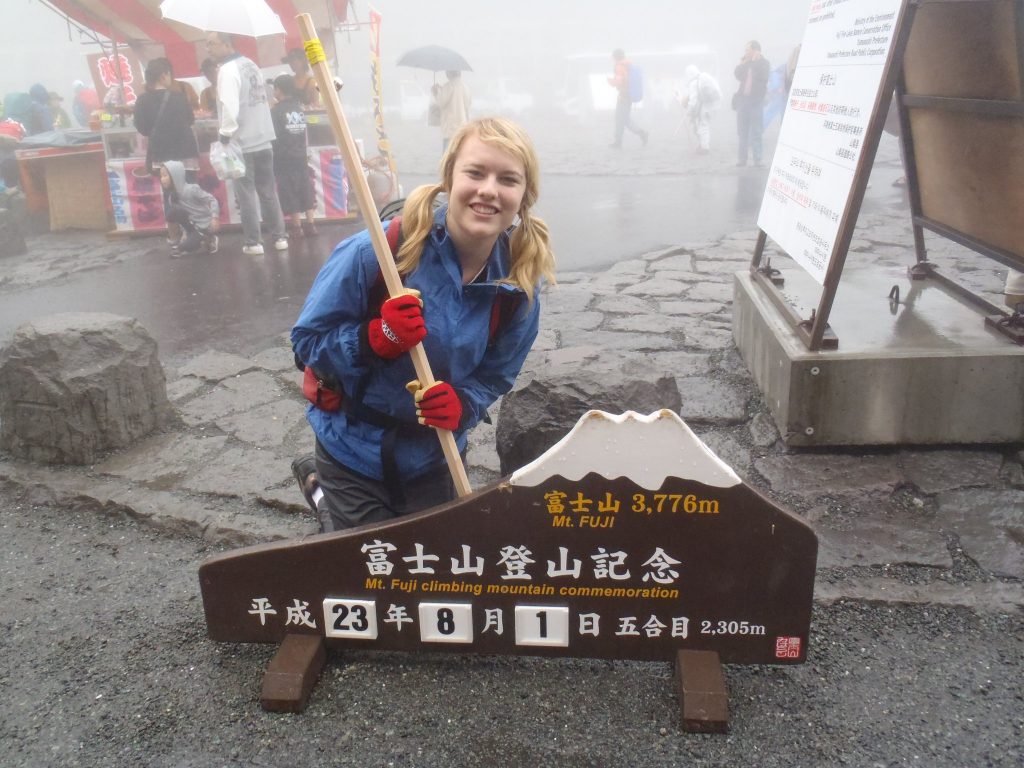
254	249
190	243
281	243
212	243
304	471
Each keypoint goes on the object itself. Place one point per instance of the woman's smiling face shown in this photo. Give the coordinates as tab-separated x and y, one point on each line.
488	184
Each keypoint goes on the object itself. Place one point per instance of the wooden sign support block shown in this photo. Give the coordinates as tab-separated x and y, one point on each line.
702	695
292	673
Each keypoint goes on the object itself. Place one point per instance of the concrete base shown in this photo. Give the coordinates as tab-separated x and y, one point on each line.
925	370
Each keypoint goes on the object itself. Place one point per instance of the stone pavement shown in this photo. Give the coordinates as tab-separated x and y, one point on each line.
941	525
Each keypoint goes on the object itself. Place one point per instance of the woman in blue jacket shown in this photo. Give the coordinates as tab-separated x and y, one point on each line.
376	458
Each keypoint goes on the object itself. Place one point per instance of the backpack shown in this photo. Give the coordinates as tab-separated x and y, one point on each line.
708	89
325	391
635	83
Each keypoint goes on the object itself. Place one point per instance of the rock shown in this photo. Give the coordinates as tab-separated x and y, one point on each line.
813	474
265	425
183	388
729	450
537	416
711	401
689	307
762	430
76	385
659	287
214	366
882	542
990	524
233	395
624	305
275	359
937	471
648	324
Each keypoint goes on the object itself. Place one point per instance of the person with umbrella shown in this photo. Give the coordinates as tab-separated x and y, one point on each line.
481	256
244	116
453	100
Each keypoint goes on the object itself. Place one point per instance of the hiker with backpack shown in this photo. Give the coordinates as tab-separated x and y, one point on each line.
472	269
702	96
628	80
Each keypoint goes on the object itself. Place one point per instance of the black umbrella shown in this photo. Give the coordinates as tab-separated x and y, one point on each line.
435	58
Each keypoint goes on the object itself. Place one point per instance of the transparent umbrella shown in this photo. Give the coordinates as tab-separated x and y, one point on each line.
250	18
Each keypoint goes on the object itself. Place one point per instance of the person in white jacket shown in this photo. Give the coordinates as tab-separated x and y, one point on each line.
702	96
453	99
244	116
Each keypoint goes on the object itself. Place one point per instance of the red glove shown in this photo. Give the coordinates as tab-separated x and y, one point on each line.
437	406
400	326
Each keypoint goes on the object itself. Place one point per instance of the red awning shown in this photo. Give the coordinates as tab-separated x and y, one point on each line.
138	24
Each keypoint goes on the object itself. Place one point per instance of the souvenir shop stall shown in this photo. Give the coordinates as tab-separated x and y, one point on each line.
103	180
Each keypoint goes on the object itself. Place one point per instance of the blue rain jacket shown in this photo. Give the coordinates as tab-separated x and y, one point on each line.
457	316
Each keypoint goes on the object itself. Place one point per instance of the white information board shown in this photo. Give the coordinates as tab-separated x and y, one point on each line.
839	75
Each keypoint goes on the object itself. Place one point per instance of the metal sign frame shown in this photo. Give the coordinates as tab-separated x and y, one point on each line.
814	331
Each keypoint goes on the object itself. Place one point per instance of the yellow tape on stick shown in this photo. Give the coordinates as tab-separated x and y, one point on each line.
314	52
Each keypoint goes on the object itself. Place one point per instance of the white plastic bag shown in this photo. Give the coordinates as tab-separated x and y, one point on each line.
227	160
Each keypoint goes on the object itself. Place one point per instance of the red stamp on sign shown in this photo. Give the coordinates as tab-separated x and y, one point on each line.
787	647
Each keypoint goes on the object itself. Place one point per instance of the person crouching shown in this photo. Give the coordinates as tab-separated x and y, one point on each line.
191	207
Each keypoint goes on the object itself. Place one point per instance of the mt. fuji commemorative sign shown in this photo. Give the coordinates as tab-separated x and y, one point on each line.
628	539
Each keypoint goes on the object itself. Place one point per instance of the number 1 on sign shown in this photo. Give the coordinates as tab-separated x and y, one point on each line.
542	625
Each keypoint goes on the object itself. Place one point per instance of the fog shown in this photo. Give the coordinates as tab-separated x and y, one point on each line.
528	41
545	47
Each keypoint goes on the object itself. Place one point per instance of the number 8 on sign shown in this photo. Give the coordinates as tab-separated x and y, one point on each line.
542	625
446	622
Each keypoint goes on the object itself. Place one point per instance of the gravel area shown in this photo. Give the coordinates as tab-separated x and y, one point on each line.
104	662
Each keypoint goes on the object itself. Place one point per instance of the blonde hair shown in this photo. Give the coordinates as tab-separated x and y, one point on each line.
529	245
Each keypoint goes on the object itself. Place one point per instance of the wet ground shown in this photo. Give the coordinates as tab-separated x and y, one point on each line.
602	206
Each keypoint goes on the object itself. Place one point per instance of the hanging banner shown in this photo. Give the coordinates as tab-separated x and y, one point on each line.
110	72
383	142
835	88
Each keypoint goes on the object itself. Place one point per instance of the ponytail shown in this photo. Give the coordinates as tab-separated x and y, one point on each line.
417	219
532	259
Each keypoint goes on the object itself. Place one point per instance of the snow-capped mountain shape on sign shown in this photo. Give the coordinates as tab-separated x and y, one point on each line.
645	449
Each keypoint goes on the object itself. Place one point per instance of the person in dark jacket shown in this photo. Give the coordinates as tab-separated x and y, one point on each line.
291	166
40	116
752	73
165	118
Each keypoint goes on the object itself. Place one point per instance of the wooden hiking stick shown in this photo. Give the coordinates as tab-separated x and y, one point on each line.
354	168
